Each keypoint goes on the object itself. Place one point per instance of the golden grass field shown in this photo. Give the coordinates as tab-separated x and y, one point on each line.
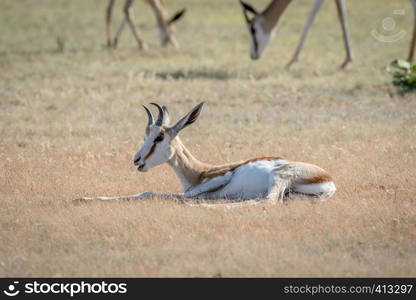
71	121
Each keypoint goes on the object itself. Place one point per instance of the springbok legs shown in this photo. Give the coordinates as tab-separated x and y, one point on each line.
413	42
345	32
305	32
344	25
108	16
135	196
164	23
127	19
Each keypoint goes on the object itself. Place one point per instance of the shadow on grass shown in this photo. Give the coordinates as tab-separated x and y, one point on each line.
196	74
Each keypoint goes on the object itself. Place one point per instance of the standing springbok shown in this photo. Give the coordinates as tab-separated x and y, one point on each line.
165	24
261	178
261	27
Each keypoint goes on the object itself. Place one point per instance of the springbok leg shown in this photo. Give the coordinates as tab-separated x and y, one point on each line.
135	196
305	32
342	15
413	42
108	22
128	19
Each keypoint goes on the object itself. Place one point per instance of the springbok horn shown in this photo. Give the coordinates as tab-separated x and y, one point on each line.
166	118
159	120
150	116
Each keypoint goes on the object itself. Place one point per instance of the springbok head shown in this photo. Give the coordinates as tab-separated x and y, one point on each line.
260	38
157	147
167	30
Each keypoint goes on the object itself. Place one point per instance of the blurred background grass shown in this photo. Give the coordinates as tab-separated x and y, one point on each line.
212	35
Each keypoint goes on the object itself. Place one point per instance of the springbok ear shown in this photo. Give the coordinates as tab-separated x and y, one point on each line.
248	7
177	16
190	118
166	118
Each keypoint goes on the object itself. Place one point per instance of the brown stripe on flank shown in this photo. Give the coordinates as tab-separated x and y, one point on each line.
222	170
317	178
268	158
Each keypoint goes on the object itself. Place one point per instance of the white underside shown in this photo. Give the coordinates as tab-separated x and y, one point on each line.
259	179
253	180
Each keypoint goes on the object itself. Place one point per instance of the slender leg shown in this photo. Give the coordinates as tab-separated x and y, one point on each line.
135	196
118	33
127	9
413	42
122	24
305	32
342	15
179	197
210	186
108	22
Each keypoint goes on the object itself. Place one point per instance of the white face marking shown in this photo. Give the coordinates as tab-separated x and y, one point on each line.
154	151
259	39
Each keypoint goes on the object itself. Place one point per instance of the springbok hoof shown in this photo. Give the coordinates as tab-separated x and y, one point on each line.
79	201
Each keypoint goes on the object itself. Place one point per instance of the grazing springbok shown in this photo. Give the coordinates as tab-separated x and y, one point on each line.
261	26
256	179
164	24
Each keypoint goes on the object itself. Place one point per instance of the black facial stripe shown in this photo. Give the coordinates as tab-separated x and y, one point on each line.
155	142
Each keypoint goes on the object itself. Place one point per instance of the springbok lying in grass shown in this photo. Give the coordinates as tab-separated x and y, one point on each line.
256	179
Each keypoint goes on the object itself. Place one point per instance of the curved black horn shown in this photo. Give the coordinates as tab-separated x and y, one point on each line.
159	120
150	116
166	118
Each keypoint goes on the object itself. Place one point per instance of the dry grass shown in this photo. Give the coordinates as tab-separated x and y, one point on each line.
70	123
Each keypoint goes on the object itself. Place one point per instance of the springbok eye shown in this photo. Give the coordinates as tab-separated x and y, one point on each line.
159	138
